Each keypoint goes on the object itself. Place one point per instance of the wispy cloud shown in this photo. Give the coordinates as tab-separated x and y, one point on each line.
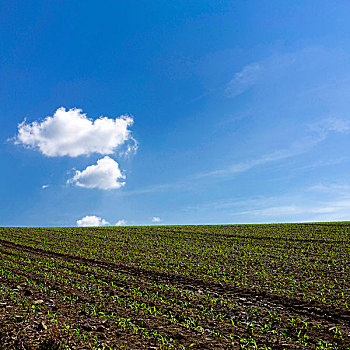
287	211
158	188
322	163
156	219
320	202
320	131
329	202
244	79
333	210
339	189
325	86
332	124
280	68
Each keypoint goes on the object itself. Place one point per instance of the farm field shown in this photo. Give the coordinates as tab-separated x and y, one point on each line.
278	286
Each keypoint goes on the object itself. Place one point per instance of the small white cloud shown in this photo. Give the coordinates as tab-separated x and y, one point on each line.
120	223
44	186
104	175
156	219
91	221
71	133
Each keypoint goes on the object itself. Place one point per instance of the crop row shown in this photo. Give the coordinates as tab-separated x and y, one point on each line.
177	306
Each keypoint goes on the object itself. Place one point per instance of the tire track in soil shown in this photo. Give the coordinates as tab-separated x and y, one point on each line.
312	310
179	333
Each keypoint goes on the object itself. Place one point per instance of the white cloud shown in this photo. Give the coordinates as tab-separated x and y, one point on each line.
91	221
72	133
44	186
104	175
156	219
120	222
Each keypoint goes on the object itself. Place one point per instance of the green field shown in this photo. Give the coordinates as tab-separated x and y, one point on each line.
278	286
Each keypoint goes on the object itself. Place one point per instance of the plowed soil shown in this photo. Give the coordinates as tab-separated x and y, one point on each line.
55	299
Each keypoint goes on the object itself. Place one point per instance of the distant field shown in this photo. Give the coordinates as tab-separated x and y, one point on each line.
280	286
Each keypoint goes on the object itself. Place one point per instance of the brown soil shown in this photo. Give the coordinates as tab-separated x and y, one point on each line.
20	328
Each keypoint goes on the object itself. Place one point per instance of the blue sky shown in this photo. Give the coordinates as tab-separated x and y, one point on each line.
183	112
